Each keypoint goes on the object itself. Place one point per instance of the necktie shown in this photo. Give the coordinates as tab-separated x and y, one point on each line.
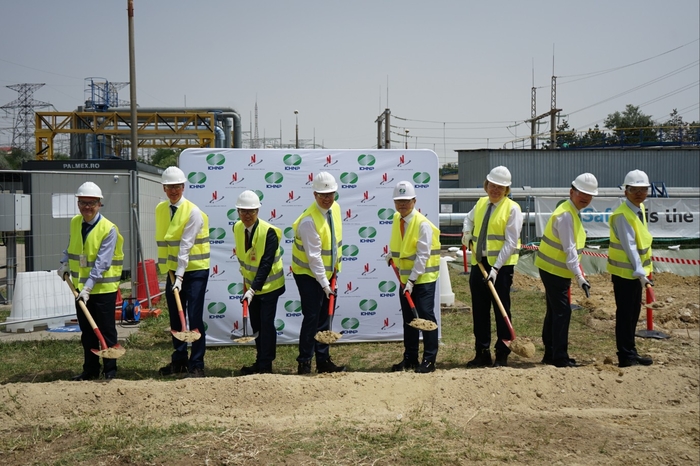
334	249
641	217
173	209
247	239
402	225
481	242
84	230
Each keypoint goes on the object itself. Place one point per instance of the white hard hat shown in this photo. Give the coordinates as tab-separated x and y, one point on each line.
500	176
173	175
248	200
404	190
636	178
324	182
89	189
586	183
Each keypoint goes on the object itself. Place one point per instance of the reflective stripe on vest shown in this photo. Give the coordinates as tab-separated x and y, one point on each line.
300	262
109	282
618	262
403	251
169	233
495	233
250	260
551	256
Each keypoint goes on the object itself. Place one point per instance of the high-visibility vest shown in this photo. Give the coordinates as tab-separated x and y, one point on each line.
250	260
300	262
618	262
109	282
495	233
169	233
403	250
551	256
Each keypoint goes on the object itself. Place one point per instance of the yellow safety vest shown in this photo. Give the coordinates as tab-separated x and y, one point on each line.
403	250
551	256
250	260
109	282
169	233
495	232
618	262
300	262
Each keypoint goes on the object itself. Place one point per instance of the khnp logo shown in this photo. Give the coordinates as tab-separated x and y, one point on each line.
232	216
235	290
350	325
366	162
350	252
216	310
274	179
421	179
217	235
348	180
368	307
197	180
216	161
293	308
289	235
279	326
385	216
292	161
367	234
386	289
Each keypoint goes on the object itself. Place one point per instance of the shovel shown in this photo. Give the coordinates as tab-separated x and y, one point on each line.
184	334
329	336
525	349
116	351
245	338
417	322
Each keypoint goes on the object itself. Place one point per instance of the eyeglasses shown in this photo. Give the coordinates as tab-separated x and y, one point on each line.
637	189
88	203
174	187
247	211
403	201
326	195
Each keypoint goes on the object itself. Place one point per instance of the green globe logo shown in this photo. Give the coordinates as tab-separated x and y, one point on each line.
385	214
293	306
197	178
235	289
367	232
232	215
279	325
274	177
217	233
387	286
348	178
259	193
368	305
421	177
350	250
289	233
216	308
366	160
292	160
350	323
216	159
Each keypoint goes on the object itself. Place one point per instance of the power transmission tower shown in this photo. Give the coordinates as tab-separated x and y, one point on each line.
24	105
256	139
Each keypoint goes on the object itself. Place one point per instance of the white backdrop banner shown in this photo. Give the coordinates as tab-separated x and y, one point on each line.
667	217
367	308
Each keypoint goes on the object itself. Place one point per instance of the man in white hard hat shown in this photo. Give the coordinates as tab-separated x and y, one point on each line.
558	260
182	235
415	249
318	237
629	264
94	260
494	226
260	259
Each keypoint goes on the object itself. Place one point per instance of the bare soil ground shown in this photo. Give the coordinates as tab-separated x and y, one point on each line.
526	414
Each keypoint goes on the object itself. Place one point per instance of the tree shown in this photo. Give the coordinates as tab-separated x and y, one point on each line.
13	160
629	127
164	158
675	129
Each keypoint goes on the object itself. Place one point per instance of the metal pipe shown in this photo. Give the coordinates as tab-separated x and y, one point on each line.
132	83
473	194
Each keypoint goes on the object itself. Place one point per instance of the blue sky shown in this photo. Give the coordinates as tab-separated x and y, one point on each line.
459	72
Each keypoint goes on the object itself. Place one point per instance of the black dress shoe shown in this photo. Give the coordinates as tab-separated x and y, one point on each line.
565	362
110	376
426	367
304	368
644	361
501	361
628	362
255	369
406	364
482	359
327	366
173	368
85	376
196	373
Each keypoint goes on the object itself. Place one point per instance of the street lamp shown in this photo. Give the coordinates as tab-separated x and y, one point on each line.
296	116
406	139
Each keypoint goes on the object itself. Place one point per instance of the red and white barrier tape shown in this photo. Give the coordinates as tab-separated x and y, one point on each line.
672	260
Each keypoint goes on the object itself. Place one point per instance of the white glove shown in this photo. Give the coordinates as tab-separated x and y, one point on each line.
248	296
84	295
467	239
178	284
388	258
63	269
408	287
492	275
581	280
645	281
328	291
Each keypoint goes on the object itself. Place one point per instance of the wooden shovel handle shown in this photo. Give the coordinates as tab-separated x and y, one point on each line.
409	300
176	293
331	299
88	316
498	300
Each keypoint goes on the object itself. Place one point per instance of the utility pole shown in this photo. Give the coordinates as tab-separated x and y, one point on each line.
385	142
132	83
